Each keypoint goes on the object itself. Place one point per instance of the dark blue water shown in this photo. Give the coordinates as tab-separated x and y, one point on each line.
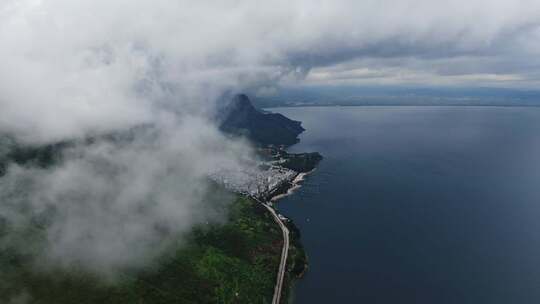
420	205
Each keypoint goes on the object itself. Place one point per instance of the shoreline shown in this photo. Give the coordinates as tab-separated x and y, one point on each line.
295	184
290	273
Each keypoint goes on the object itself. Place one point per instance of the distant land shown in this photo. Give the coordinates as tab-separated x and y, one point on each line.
398	96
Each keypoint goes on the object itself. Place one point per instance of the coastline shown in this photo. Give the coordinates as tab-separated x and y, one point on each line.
295	184
297	264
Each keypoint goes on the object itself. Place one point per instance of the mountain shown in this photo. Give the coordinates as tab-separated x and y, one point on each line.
240	117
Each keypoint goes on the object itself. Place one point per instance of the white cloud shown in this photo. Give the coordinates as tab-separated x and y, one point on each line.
70	67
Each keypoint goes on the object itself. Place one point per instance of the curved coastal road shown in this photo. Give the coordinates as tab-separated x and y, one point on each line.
284	253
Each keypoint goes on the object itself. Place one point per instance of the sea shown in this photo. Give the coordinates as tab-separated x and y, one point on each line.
424	205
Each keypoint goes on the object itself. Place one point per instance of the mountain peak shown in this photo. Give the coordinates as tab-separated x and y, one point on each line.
242	118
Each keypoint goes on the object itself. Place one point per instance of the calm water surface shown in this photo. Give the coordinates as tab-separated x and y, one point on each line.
426	205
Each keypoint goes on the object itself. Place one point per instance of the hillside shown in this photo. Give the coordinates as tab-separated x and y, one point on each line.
234	262
241	118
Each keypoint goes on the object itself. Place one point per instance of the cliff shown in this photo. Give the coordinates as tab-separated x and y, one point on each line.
239	117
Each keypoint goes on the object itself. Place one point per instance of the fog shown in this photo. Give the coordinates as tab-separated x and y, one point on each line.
117	205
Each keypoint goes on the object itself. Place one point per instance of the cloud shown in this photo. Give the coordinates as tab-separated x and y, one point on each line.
431	43
114	205
72	67
462	70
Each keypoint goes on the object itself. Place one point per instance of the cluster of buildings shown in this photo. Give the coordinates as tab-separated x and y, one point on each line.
256	181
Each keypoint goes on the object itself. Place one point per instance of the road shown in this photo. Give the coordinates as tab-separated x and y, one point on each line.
284	253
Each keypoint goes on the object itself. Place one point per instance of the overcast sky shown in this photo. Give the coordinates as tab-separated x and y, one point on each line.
102	64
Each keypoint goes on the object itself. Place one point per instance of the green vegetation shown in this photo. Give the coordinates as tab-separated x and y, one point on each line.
234	262
40	156
297	260
301	162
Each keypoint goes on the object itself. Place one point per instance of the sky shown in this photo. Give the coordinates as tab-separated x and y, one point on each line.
77	68
107	64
